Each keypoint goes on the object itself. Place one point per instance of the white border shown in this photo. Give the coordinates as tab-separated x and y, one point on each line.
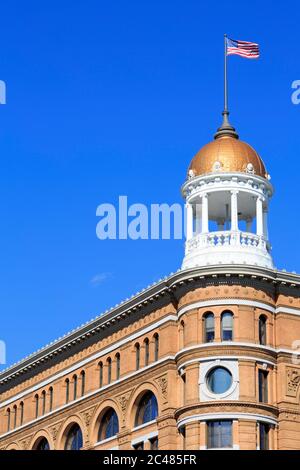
227	301
144	438
231	366
233	301
144	425
214	358
231	343
216	416
108	439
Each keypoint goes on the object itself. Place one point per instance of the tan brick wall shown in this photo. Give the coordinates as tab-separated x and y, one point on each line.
178	351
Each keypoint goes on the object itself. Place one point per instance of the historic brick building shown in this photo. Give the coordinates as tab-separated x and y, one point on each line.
202	359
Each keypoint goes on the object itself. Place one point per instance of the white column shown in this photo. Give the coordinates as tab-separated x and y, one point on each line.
189	221
259	216
204	213
265	223
234	212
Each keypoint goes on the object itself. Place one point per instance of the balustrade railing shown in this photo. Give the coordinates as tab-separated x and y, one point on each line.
227	238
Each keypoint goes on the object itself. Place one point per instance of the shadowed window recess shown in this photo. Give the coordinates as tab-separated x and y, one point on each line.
109	426
74	440
227	326
209	327
219	434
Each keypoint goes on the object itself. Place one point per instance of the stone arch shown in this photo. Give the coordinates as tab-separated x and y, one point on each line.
13	446
44	433
135	399
98	415
61	438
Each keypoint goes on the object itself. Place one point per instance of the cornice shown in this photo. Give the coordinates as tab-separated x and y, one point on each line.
222	405
162	292
227	180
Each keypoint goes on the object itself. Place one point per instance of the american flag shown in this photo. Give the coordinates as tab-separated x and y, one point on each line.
250	50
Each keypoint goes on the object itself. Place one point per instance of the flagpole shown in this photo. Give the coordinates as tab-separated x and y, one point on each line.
225	76
226	128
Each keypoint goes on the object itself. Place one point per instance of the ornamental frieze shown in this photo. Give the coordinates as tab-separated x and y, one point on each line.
293	381
87	416
163	385
234	291
54	431
123	401
25	443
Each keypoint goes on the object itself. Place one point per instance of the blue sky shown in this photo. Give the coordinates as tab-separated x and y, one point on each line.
113	98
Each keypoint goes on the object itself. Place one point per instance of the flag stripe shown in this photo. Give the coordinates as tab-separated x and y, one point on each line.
241	51
244	42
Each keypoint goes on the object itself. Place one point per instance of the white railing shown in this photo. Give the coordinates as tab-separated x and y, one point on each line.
226	239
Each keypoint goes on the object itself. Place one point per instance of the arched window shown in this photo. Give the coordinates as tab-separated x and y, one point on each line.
82	377
156	347
43	402
15	416
42	444
67	382
118	364
137	356
108	362
147	409
209	327
109	426
50	399
146	345
262	333
8	419
100	374
36	398
21	413
74	439
227	326
74	387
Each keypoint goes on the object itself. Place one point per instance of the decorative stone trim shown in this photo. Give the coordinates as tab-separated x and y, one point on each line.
25	443
163	385
227	407
87	415
293	381
123	401
54	430
233	416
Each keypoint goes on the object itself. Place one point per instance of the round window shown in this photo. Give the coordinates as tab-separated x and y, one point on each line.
219	380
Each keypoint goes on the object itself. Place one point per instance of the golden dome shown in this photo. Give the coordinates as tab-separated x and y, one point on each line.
227	154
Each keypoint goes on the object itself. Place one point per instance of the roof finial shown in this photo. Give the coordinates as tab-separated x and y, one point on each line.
226	128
